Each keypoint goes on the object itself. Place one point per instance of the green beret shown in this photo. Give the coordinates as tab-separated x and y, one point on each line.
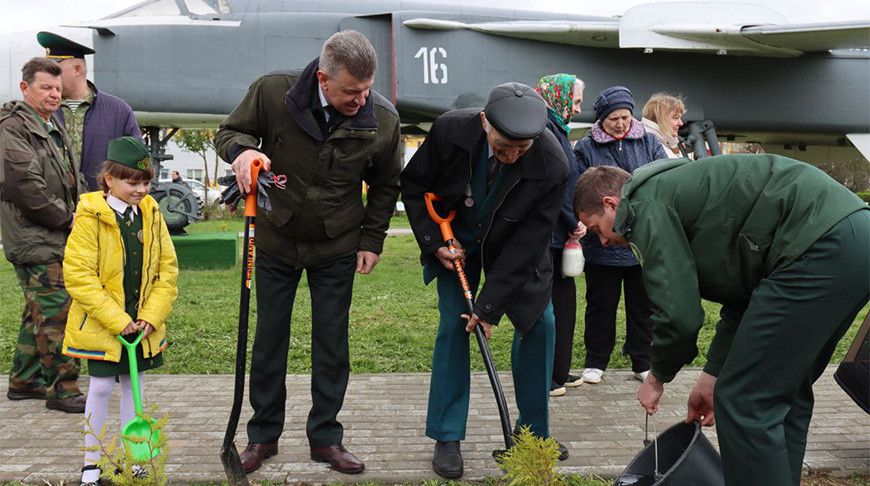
58	48
129	151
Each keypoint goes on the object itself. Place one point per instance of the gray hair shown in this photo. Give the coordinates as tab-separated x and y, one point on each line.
350	50
38	65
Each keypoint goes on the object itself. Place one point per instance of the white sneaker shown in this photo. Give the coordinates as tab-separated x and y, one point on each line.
592	375
641	375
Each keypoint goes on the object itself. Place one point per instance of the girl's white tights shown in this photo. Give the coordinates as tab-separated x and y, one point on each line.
97	409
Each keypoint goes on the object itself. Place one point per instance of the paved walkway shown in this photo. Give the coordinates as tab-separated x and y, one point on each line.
384	415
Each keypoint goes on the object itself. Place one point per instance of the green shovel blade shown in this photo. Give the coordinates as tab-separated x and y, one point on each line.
145	437
144	445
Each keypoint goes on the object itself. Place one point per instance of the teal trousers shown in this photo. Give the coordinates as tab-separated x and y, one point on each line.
531	364
763	399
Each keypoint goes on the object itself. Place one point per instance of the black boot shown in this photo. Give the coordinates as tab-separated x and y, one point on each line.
448	460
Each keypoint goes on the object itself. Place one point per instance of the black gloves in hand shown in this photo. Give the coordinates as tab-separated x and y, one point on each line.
231	195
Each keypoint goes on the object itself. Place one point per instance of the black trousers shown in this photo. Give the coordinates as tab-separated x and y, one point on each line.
565	310
331	285
603	288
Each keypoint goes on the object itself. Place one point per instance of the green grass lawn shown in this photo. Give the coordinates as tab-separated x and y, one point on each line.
394	318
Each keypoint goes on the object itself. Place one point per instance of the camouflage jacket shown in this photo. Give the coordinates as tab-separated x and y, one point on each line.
39	186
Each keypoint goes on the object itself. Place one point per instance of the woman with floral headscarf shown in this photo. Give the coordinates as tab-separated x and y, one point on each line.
563	94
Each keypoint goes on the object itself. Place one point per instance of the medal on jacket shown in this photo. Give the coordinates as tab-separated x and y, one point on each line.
469	201
140	236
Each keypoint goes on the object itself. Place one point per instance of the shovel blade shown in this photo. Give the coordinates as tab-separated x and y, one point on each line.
140	428
233	465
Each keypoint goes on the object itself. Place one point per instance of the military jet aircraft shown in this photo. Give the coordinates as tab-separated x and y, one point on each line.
800	89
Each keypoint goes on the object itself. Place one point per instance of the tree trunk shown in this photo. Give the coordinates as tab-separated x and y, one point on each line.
217	161
206	180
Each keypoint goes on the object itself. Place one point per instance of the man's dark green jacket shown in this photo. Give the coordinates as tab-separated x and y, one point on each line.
320	204
713	229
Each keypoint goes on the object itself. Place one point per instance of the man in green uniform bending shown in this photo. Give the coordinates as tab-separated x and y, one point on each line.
783	247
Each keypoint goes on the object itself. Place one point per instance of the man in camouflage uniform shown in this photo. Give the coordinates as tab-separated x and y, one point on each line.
39	186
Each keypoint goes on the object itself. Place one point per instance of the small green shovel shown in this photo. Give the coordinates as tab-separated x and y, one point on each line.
142	429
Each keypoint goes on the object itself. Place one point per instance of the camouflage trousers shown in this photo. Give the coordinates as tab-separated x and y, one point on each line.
38	360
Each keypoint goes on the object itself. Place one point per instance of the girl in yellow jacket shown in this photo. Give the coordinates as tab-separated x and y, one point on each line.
120	270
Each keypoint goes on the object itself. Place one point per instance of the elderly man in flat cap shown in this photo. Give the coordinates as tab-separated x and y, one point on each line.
505	176
92	118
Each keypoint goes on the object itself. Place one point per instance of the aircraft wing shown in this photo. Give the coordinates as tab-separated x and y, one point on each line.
725	28
813	37
589	33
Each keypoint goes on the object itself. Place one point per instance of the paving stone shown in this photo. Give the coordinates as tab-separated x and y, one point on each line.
602	425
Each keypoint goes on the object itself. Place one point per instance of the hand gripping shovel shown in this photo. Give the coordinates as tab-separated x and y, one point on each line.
449	239
145	432
229	455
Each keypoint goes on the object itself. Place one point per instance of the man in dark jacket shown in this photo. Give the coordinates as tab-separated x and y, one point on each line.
39	188
327	132
92	118
505	175
784	249
617	139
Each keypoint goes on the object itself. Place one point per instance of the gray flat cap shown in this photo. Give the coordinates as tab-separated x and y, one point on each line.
516	111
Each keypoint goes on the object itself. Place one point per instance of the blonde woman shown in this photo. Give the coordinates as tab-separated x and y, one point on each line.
662	116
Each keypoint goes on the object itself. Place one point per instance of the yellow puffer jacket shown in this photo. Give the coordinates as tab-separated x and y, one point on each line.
93	270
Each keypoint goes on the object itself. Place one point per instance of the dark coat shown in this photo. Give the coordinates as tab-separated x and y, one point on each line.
567	222
321	203
515	236
598	148
108	118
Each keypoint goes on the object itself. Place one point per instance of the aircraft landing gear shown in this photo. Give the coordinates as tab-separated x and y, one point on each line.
697	137
178	204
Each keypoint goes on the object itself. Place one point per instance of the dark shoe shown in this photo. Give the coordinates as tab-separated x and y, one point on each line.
35	393
254	455
338	458
71	404
447	462
573	380
563	451
556	390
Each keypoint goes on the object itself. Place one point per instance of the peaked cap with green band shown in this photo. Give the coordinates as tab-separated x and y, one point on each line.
129	151
59	48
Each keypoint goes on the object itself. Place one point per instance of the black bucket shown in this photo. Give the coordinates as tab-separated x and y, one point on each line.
686	458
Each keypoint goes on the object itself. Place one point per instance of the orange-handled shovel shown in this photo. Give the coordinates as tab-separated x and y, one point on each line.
229	455
450	240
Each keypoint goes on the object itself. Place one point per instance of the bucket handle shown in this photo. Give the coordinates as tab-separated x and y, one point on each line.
656	474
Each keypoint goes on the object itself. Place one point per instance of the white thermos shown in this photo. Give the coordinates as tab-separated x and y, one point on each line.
572	258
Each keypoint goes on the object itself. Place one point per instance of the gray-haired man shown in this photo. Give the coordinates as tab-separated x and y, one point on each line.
327	132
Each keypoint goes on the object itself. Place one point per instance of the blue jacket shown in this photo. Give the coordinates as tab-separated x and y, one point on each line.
637	148
567	222
108	118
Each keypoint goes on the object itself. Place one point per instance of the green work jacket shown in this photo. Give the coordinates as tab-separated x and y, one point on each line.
713	229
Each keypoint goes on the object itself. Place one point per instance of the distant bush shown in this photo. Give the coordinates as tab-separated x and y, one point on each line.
854	174
218	211
865	195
